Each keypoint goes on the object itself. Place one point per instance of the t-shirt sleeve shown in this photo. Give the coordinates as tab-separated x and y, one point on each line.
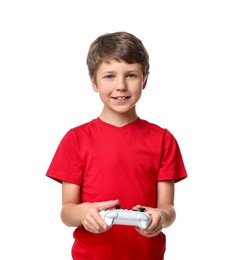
66	163
172	166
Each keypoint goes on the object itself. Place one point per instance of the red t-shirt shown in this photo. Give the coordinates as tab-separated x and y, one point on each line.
124	163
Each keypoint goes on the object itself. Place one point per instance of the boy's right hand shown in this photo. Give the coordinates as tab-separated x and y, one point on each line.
90	217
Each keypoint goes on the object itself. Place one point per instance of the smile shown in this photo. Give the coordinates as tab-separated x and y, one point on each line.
120	98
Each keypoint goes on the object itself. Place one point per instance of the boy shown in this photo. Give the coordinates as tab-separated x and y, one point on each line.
117	158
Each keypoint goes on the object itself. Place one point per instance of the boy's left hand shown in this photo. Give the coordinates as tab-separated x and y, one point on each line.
156	224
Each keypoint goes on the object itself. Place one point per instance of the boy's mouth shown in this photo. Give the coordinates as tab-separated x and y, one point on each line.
121	97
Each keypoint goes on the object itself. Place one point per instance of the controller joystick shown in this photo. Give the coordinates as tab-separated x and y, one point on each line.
117	206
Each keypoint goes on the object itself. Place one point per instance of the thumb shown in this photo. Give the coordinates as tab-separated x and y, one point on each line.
138	207
107	204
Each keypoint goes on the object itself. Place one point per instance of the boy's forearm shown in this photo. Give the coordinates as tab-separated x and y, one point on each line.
168	215
70	214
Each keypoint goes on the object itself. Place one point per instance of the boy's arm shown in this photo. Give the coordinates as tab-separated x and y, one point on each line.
165	202
74	213
164	215
70	204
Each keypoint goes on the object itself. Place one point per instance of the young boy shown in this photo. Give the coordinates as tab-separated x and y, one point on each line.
117	158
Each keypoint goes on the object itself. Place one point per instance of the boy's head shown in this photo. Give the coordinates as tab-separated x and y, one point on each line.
118	46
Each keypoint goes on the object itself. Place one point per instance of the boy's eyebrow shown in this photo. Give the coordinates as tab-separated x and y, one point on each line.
113	71
109	71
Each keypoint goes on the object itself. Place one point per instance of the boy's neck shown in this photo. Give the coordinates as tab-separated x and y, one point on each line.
118	119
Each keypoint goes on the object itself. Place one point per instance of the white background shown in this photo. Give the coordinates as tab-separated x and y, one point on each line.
45	90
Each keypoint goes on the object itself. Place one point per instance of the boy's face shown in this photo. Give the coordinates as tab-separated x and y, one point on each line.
119	85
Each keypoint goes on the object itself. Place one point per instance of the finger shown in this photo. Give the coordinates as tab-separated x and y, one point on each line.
98	220
154	230
137	207
149	233
95	224
101	222
107	204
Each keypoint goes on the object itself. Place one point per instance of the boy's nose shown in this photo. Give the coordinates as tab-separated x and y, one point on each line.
121	84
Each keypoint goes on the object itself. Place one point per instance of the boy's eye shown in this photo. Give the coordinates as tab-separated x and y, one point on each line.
110	76
131	75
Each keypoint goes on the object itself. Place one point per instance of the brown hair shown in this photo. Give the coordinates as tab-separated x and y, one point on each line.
119	46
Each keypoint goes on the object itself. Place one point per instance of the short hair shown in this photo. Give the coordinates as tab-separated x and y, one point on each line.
118	46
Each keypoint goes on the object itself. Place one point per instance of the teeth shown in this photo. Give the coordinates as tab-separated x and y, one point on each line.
121	98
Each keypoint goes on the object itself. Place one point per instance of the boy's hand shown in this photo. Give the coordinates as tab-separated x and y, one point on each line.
156	224
90	217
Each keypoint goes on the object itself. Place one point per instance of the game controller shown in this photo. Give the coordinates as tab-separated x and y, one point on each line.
126	217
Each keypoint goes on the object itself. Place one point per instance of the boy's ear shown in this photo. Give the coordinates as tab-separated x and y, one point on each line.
94	86
145	82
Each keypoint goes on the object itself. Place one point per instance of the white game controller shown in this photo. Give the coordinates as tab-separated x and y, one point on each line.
126	217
